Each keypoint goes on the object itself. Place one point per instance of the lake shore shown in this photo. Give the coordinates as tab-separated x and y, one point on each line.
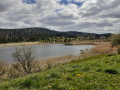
24	43
101	46
85	42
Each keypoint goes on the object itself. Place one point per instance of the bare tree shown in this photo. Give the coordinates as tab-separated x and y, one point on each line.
24	56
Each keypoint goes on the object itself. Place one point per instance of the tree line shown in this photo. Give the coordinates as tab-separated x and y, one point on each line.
44	35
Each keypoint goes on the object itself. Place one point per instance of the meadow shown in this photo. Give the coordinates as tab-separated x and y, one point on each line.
100	72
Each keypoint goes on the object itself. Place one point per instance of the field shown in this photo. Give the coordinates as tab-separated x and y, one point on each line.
101	72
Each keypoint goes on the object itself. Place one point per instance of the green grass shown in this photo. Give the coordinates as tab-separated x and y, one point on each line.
100	72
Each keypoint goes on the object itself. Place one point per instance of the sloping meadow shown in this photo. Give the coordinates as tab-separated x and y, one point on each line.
101	72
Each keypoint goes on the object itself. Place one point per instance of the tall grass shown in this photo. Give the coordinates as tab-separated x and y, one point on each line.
2	68
103	49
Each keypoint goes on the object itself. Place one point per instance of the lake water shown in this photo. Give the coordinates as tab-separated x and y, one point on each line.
45	51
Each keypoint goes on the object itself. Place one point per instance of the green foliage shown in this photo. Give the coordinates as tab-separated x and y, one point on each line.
116	39
92	73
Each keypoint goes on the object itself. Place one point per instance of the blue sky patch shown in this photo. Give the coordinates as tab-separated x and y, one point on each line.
29	1
72	2
64	2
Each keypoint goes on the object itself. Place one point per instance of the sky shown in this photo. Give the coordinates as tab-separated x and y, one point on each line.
92	16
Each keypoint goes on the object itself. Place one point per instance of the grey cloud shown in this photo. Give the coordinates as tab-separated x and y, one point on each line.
57	21
101	16
101	6
4	6
103	24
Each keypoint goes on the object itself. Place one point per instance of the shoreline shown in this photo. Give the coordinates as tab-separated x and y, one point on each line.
87	42
25	43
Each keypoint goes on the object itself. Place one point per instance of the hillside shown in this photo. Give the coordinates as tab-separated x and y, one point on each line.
100	72
36	34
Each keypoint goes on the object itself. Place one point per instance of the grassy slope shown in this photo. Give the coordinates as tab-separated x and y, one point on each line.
94	73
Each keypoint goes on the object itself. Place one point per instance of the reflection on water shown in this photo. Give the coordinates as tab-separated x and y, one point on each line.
46	51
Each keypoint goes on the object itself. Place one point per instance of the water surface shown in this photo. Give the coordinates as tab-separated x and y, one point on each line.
45	51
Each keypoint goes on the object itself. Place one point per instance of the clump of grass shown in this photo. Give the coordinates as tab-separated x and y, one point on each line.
49	65
54	75
111	71
99	70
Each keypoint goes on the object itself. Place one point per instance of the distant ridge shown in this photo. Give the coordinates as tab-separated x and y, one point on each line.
34	34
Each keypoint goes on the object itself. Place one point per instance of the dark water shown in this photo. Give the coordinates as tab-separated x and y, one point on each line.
45	51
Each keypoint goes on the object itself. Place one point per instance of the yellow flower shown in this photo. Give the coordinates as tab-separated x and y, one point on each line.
78	75
50	86
71	88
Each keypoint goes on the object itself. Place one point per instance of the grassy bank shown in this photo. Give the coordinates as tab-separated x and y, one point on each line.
101	72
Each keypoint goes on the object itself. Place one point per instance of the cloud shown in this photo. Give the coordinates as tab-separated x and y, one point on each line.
98	16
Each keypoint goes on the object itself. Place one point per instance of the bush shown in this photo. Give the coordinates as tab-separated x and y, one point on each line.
111	71
24	59
116	39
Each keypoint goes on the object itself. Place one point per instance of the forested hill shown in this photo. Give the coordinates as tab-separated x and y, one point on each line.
35	34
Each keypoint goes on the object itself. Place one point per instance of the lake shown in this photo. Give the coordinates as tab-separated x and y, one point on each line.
45	51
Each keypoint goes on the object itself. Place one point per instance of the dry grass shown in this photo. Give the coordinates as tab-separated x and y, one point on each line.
3	68
89	42
18	44
2	64
104	47
84	42
55	61
101	47
25	43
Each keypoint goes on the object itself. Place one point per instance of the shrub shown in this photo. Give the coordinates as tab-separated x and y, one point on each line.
24	56
116	39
